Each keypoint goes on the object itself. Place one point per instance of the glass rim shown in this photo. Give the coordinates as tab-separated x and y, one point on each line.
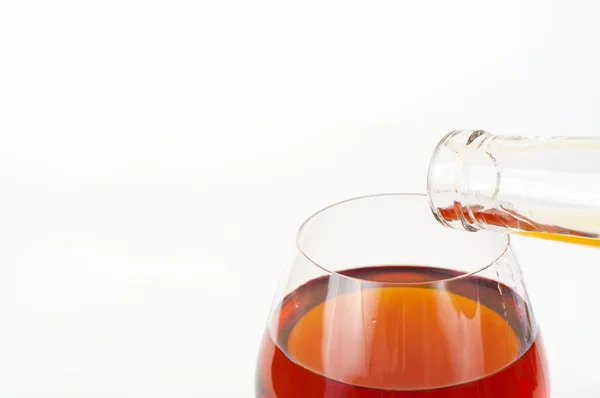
505	246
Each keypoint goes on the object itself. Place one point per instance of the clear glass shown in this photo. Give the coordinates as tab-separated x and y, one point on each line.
543	187
383	301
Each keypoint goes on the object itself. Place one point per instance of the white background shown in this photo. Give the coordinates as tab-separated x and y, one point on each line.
156	158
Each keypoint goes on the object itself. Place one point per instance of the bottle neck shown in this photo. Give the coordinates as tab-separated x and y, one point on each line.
478	180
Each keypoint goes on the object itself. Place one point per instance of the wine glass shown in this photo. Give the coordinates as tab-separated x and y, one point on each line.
383	301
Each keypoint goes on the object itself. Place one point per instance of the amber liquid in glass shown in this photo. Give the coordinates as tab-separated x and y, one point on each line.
521	224
439	340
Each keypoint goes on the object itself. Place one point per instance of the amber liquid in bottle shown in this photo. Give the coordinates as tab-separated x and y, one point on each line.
521	225
405	350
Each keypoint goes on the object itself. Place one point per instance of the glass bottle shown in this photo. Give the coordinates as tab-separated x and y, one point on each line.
546	187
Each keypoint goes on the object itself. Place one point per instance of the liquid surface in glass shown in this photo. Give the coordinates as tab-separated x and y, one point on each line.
430	340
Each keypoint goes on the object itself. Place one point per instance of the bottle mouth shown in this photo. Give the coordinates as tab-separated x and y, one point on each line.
444	177
462	176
